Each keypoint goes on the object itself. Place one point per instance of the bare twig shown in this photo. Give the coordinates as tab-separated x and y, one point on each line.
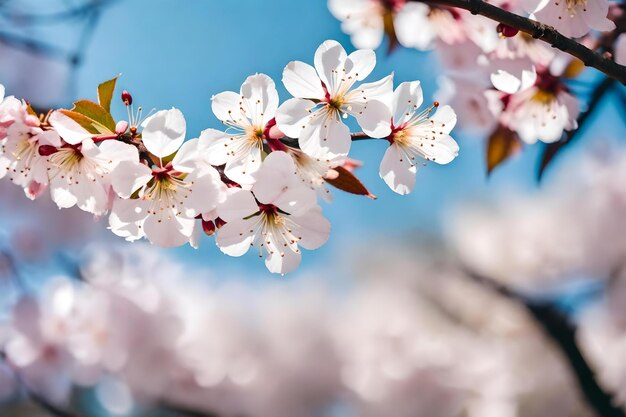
540	31
562	332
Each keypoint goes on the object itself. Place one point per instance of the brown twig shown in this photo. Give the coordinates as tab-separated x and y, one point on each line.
540	31
562	332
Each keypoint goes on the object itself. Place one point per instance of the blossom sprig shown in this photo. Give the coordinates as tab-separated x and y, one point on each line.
501	59
254	184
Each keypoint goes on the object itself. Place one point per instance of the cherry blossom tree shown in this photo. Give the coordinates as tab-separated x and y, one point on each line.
262	184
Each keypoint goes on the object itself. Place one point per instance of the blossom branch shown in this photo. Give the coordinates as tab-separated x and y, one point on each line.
540	31
562	332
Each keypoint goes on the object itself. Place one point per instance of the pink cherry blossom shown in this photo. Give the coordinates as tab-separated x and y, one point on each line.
574	18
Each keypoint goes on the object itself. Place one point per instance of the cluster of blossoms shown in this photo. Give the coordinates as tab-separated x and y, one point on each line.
413	344
506	81
257	182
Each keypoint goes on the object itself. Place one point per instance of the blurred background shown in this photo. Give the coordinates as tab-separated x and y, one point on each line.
431	304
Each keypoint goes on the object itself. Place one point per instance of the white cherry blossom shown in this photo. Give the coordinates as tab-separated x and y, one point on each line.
22	156
574	18
278	216
415	134
247	114
541	110
162	202
326	94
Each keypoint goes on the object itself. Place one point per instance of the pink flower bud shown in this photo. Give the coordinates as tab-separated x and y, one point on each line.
121	127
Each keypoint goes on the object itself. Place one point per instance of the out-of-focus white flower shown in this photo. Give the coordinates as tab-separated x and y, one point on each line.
538	109
326	94
574	18
22	156
279	215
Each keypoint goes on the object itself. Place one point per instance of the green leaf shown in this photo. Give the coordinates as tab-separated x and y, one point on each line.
105	93
86	123
96	113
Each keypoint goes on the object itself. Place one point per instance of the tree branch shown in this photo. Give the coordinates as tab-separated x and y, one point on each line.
540	31
562	332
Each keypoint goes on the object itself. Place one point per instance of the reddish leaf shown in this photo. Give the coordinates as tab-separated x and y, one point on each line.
346	181
502	144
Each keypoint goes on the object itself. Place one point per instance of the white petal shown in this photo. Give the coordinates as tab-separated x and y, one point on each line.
167	230
375	119
330	58
260	99
313	228
407	98
49	137
128	176
325	135
61	193
238	204
236	237
442	150
112	152
227	106
213	146
126	218
278	183
186	159
164	132
2	91
505	82
293	116
206	190
70	131
283	261
445	119
242	166
397	170
302	81
360	64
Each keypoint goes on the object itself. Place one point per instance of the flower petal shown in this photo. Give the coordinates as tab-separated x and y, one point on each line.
260	99
236	237
293	116
164	132
330	59
397	170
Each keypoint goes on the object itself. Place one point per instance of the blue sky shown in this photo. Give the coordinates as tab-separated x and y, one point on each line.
179	53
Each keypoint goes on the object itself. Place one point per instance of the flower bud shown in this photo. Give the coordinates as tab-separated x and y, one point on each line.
127	98
506	31
208	227
121	127
47	150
